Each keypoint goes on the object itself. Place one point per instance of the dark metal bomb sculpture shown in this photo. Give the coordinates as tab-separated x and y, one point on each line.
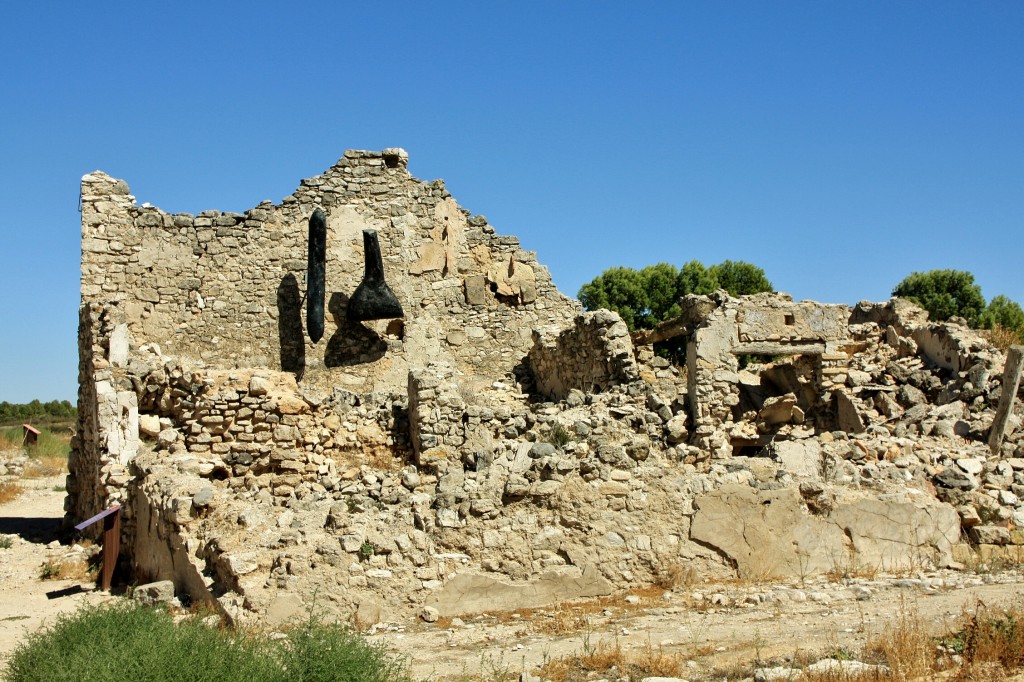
373	298
316	275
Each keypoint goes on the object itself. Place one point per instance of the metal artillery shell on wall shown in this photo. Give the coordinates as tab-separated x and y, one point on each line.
316	275
373	298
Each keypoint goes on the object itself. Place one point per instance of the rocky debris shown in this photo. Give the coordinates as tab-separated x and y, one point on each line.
518	503
832	666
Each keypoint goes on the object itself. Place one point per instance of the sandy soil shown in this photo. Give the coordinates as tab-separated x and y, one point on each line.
750	625
26	601
729	638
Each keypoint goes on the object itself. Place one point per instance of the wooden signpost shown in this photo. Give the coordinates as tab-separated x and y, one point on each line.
111	541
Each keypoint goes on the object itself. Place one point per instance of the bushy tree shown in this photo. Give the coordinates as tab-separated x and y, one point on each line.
944	294
694	278
739	278
1003	315
618	289
662	298
646	297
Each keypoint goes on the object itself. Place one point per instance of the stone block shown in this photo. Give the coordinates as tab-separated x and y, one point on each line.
476	290
152	594
989	535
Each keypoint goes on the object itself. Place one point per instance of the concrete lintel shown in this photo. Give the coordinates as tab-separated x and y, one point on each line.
778	348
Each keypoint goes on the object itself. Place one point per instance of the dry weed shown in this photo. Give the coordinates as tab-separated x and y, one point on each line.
986	645
9	491
990	642
907	647
611	659
66	569
45	467
673	574
850	568
1002	338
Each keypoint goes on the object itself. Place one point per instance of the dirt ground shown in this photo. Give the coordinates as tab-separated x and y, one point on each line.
731	638
730	627
27	602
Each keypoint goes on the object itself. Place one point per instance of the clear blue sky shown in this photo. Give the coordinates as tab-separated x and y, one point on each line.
838	145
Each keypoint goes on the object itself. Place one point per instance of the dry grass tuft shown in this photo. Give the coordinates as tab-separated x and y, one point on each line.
673	574
9	491
45	467
66	569
1002	337
907	647
612	660
384	459
563	620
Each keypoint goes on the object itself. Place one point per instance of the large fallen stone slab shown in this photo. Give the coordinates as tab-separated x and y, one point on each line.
771	533
474	593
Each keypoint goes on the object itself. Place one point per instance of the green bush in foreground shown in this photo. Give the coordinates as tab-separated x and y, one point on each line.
125	641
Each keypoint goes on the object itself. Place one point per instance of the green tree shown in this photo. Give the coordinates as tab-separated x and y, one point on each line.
662	296
944	294
1005	313
619	289
646	297
740	278
694	278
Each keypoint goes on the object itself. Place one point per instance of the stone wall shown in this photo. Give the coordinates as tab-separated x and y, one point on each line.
226	290
436	410
590	356
764	325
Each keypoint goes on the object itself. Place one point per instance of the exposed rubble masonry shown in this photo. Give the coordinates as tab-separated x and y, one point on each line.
495	447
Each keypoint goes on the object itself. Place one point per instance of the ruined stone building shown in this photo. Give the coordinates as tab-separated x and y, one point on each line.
496	447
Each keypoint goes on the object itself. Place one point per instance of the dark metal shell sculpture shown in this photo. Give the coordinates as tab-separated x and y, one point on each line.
316	275
373	298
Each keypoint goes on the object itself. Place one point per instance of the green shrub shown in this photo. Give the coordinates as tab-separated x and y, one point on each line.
321	651
558	436
124	641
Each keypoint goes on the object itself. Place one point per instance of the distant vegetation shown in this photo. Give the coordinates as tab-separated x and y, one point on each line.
954	293
36	412
49	443
646	297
